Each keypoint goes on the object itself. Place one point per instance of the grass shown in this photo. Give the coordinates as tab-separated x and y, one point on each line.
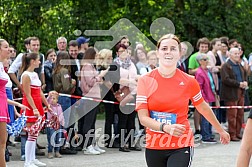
100	116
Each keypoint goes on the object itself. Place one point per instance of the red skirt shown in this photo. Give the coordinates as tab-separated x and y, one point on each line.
35	93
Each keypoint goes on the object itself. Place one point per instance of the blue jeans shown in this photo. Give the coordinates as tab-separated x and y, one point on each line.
206	129
65	103
23	141
56	139
222	116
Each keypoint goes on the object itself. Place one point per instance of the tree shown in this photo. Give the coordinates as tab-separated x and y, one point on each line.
193	19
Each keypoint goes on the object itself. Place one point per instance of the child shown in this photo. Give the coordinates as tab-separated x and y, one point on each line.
53	137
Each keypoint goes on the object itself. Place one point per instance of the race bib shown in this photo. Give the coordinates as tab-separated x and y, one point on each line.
163	117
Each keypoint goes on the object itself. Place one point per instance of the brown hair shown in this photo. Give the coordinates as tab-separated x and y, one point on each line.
63	55
49	52
168	36
89	56
26	60
231	41
143	50
27	41
213	42
224	39
33	39
118	46
73	43
203	40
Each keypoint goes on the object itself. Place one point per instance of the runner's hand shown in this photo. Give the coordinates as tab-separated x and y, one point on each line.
174	129
224	137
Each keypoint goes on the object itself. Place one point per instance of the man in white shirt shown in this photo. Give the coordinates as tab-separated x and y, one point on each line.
17	63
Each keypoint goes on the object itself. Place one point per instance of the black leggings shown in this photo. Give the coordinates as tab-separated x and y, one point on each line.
181	157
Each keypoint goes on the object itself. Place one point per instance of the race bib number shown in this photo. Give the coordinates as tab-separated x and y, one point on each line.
164	117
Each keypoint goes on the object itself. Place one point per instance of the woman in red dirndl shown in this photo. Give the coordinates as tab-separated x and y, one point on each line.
33	98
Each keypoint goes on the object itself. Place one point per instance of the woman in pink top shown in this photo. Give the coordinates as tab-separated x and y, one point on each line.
4	116
90	86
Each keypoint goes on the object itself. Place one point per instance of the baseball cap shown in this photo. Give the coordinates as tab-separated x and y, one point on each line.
82	40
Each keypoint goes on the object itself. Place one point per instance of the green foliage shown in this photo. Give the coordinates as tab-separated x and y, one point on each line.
49	19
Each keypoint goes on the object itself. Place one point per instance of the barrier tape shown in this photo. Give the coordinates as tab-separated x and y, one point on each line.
227	107
93	99
132	104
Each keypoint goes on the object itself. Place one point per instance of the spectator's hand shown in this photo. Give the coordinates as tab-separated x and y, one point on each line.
17	115
132	82
215	69
36	112
49	108
104	72
242	85
224	137
23	107
20	87
73	81
43	87
245	84
176	130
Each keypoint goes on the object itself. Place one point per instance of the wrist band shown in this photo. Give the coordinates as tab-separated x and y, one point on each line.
161	127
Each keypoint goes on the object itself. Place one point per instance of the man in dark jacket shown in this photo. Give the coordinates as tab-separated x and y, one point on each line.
233	87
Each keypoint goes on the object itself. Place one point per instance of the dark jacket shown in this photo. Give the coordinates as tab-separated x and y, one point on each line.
229	83
48	69
74	69
113	76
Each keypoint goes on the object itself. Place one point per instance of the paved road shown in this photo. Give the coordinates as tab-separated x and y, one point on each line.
216	155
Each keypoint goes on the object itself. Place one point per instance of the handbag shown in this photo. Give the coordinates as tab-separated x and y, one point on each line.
122	93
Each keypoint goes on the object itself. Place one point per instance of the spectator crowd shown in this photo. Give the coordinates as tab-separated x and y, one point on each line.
77	69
